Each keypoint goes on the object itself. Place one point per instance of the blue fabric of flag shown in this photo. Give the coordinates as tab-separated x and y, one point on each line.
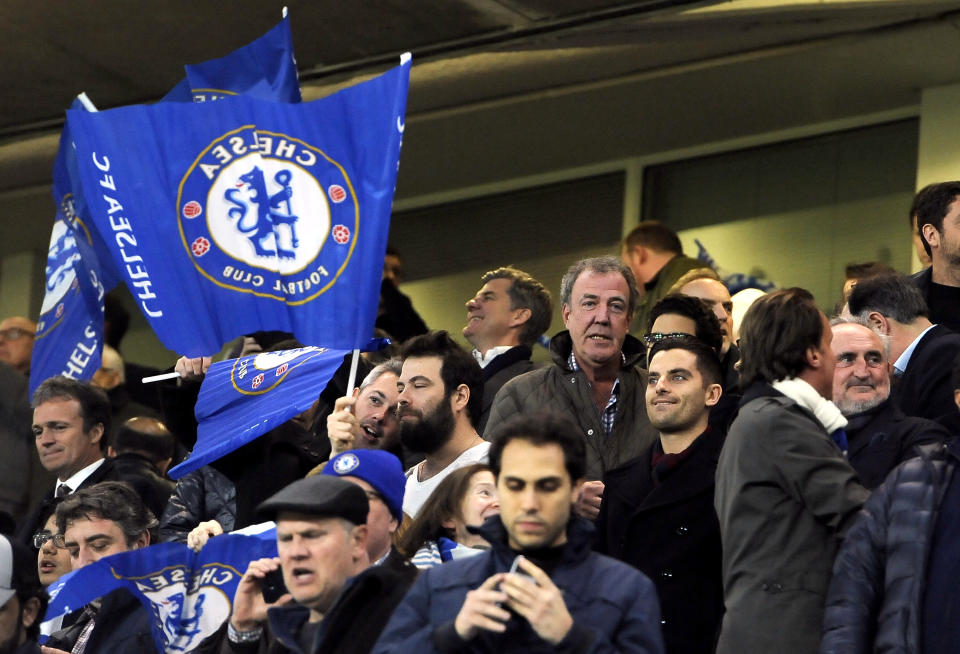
265	68
69	336
179	93
233	216
188	594
241	399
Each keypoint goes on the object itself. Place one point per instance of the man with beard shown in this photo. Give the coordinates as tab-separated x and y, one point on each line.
937	208
22	600
879	435
367	420
441	392
657	512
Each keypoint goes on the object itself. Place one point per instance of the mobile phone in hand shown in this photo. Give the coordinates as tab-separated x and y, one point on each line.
272	587
515	570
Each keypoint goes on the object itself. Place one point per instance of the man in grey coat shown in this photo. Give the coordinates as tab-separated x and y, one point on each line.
595	381
785	494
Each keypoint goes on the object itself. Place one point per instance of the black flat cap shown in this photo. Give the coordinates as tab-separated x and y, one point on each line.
320	495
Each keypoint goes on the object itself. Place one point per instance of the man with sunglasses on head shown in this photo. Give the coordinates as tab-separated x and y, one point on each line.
595	381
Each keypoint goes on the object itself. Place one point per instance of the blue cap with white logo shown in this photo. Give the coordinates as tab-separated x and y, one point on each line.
378	468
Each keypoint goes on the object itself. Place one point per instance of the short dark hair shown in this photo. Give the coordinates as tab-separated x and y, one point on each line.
457	367
707	324
867	269
654	235
708	362
94	404
526	293
893	296
775	334
146	436
601	265
541	428
116	501
931	205
444	503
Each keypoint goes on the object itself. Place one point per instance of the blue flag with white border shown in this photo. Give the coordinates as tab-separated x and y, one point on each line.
241	399
69	336
265	68
234	216
188	594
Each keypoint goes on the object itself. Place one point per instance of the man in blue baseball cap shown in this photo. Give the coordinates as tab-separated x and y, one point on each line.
380	475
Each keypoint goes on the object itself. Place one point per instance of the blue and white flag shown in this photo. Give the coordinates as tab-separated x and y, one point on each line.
264	69
189	595
241	215
241	399
69	336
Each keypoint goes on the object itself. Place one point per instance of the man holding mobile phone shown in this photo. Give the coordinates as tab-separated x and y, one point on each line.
333	600
567	598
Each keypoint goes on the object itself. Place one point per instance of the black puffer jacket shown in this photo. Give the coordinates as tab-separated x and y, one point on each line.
204	494
876	593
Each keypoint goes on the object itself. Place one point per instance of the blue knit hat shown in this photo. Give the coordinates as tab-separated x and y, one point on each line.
378	468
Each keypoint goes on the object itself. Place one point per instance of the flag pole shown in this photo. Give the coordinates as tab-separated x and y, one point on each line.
353	372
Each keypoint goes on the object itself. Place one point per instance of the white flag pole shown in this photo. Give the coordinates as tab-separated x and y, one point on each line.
353	372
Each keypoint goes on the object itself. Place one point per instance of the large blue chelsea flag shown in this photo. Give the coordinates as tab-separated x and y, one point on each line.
69	335
238	215
188	595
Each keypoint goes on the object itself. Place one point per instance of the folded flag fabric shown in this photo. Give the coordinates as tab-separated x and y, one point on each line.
241	399
189	595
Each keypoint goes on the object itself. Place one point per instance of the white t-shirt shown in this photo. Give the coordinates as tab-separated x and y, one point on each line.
417	492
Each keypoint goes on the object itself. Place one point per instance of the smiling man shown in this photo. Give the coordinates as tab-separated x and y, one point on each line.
539	588
657	513
70	421
504	320
879	435
368	419
594	381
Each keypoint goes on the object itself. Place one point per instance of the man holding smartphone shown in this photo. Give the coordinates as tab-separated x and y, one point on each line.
567	598
333	600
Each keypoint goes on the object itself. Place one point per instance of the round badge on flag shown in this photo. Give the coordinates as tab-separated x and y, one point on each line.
337	194
192	209
341	234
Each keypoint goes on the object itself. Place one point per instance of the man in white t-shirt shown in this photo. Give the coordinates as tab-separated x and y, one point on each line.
441	394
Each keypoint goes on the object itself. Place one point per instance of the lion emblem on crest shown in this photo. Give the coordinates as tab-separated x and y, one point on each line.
269	213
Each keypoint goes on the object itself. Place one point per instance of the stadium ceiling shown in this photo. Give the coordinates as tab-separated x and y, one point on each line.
466	52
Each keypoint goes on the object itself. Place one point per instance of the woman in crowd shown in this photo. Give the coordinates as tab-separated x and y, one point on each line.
466	498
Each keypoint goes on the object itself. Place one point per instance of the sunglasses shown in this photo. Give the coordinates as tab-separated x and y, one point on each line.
655	337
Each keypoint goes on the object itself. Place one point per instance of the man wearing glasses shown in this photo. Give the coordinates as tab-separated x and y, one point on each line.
16	343
595	381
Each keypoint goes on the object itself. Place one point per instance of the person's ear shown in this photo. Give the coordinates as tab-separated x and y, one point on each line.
930	234
713	393
96	433
30	612
879	322
358	545
460	398
112	453
520	316
143	540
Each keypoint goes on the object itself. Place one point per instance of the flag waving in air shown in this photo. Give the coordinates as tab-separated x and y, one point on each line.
229	217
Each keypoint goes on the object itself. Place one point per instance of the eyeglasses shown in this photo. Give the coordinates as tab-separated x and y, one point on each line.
41	538
13	334
655	337
59	541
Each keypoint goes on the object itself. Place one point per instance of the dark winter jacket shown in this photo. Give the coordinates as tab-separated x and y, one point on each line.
883	437
671	534
498	372
784	497
351	626
876	593
925	389
614	607
204	494
561	391
122	625
139	472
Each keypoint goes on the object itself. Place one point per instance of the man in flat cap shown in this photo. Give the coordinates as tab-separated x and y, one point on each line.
335	601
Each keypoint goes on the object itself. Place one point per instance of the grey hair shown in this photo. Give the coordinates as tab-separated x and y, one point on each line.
390	365
863	322
602	265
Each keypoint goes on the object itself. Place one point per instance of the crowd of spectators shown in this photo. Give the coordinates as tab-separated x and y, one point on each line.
671	481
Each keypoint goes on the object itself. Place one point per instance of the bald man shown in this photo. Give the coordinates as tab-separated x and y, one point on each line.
16	342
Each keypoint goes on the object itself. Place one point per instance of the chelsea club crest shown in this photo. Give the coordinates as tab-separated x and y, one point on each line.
266	213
